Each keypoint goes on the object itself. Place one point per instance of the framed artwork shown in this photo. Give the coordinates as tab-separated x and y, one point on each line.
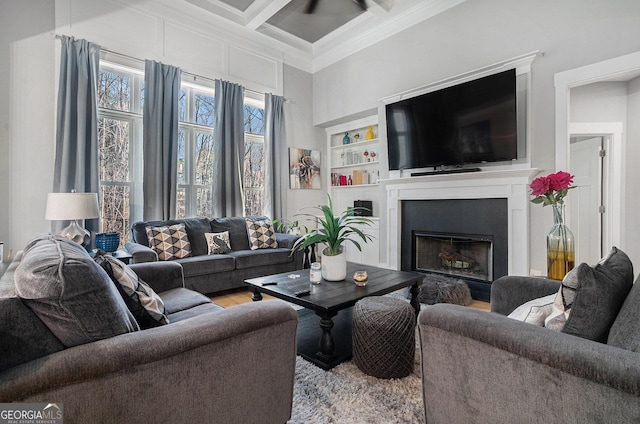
304	169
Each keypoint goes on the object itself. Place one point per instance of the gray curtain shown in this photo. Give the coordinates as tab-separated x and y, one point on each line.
160	140
275	157
76	162
228	138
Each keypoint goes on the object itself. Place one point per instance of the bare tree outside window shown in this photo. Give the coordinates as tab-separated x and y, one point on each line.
117	124
254	160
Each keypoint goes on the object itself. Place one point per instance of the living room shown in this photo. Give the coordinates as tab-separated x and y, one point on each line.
587	46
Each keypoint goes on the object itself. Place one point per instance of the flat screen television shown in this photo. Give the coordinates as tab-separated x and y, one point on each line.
470	123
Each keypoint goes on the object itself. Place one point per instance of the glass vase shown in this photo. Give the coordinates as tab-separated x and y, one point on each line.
560	246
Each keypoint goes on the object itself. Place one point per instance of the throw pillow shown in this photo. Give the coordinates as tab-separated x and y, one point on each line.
218	242
145	305
261	234
169	242
599	295
70	293
534	311
563	301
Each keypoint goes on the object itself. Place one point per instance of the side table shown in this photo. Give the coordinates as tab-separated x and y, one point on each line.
121	254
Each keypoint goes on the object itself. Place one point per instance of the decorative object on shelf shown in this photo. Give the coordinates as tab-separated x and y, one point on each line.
373	155
345	139
360	278
304	169
366	156
369	135
334	231
74	207
357	137
108	242
551	190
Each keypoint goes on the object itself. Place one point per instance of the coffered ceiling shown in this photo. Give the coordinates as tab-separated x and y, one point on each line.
335	29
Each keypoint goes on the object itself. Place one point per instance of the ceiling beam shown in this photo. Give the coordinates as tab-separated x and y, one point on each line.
261	10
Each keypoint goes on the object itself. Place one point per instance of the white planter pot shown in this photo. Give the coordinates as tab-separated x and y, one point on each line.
334	268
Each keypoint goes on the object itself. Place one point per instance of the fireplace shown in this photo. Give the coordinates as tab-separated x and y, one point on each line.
457	255
464	238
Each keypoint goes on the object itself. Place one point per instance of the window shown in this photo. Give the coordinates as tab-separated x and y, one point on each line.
196	111
120	100
253	157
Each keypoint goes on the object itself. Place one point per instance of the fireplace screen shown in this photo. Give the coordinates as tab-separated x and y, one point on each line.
458	255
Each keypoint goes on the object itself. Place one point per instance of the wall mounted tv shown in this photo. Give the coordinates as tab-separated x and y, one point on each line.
470	123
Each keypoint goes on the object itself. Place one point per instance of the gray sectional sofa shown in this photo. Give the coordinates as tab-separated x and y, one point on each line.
213	273
480	367
208	364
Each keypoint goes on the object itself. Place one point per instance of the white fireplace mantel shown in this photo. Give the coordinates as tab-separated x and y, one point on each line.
512	184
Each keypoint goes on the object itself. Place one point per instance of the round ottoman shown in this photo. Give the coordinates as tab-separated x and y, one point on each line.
384	337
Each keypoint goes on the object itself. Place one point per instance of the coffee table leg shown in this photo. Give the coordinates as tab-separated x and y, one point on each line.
327	346
256	295
415	290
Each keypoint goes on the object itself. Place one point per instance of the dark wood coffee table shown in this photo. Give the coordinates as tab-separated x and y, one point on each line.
324	326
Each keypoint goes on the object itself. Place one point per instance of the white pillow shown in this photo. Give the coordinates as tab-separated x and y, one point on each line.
534	311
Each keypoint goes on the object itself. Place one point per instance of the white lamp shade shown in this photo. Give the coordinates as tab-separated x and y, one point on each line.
69	206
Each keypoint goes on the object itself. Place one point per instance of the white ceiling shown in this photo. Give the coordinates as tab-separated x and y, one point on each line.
336	29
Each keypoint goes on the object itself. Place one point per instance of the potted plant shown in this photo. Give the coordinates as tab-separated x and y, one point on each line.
334	231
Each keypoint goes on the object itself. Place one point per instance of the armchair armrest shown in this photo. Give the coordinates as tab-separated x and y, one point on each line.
507	293
141	253
286	240
196	370
482	364
161	276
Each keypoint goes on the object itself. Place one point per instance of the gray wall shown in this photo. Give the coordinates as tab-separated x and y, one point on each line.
478	33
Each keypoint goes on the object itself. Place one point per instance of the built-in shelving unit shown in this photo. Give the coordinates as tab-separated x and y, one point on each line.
360	175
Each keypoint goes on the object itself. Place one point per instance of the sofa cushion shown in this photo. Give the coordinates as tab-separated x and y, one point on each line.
218	243
625	331
563	300
237	228
145	305
261	234
195	227
204	265
534	311
263	257
24	337
184	303
600	293
169	242
70	293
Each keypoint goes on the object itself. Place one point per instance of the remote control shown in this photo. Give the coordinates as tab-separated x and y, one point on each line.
301	293
270	283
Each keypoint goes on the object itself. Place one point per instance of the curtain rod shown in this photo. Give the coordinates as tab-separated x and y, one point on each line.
126	56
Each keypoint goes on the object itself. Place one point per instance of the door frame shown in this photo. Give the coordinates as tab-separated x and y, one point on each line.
612	133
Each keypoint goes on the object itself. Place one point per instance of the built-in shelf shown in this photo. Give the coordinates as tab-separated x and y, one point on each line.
354	185
356	165
362	143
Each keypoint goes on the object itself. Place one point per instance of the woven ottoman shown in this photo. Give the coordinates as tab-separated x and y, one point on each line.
384	337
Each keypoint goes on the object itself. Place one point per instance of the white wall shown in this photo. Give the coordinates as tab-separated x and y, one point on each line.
478	33
300	133
29	55
631	225
26	119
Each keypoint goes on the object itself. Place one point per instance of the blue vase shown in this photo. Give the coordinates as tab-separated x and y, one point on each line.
345	139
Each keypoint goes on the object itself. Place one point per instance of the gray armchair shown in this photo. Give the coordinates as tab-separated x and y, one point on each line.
480	367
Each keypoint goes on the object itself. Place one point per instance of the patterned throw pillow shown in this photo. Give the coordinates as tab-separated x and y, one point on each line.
145	305
169	242
261	234
218	242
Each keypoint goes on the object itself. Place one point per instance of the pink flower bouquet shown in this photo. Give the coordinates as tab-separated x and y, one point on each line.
552	189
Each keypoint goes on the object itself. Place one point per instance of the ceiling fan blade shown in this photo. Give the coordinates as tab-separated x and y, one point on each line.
311	6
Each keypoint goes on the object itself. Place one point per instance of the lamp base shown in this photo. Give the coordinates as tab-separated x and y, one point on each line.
76	233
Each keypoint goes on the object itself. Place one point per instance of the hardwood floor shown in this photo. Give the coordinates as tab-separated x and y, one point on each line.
240	296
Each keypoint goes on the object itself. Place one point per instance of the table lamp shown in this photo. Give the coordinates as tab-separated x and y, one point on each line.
72	206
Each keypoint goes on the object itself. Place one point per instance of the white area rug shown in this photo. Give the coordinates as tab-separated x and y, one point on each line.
346	395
